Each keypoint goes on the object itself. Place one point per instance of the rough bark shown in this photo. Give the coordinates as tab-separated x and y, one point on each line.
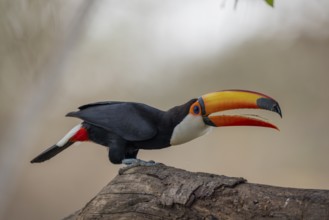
162	192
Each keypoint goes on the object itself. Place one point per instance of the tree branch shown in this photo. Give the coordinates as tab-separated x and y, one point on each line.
162	192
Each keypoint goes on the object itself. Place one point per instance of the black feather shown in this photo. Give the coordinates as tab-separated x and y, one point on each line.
98	103
50	152
131	121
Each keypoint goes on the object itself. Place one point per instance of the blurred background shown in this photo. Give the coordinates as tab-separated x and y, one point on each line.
58	55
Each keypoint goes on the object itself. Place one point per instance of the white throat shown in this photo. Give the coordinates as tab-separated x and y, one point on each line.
190	128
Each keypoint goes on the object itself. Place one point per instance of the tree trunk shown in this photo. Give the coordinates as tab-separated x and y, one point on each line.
162	192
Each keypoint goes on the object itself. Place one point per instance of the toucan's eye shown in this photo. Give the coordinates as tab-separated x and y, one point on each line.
196	110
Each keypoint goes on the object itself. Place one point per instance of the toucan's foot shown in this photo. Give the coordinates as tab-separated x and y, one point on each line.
137	162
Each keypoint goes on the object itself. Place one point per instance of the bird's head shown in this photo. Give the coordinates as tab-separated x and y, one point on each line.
204	112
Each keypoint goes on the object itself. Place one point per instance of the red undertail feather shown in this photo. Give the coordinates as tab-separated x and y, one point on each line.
81	135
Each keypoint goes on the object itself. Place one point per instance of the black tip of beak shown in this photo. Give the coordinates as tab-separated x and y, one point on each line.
269	104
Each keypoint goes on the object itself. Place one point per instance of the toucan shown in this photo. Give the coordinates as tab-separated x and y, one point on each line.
126	127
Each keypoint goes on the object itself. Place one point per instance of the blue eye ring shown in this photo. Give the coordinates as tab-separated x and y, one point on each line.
196	109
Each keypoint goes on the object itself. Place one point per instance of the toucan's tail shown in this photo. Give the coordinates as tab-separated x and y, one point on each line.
78	133
50	152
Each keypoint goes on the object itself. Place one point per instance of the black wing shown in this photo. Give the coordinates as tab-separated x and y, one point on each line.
131	121
98	103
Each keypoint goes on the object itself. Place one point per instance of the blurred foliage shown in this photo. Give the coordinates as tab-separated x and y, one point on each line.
28	37
270	2
30	32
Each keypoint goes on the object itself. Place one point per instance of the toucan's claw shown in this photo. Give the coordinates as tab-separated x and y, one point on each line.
132	162
138	162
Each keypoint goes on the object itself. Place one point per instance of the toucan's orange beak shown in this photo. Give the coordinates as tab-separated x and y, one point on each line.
236	99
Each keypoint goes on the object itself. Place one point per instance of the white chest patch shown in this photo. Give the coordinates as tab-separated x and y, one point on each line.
190	128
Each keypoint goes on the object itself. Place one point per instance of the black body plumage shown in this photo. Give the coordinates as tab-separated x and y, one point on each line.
126	127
